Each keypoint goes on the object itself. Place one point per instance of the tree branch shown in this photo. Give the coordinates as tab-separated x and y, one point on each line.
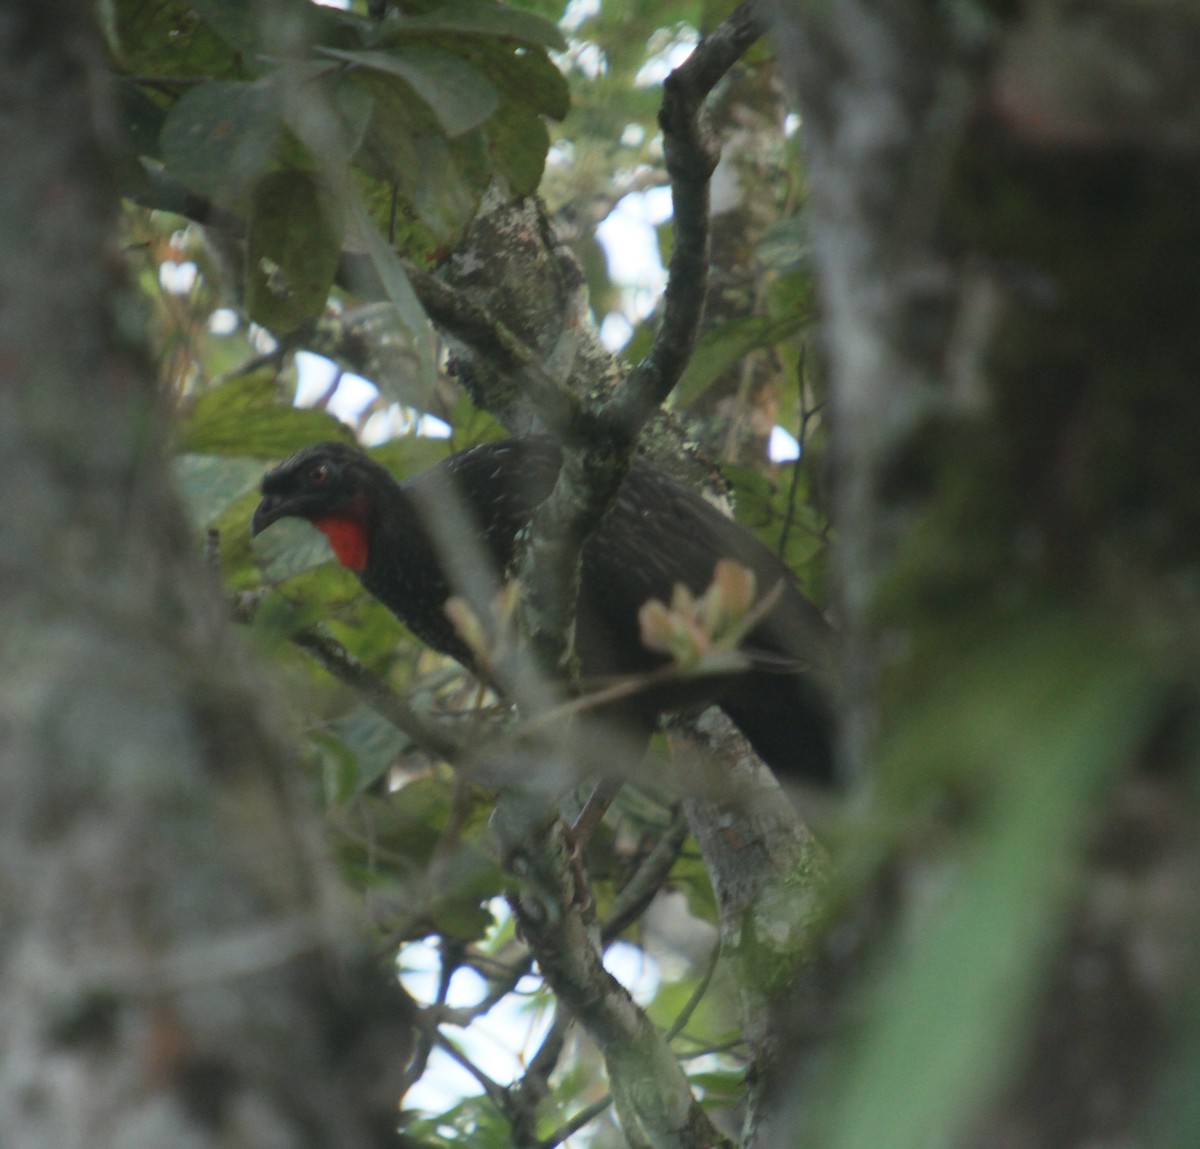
584	1117
598	447
692	155
645	884
433	737
555	915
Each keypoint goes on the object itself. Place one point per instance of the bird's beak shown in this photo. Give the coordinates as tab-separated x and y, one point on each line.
271	509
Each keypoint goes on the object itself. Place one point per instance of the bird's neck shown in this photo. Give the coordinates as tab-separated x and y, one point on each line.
403	571
347	535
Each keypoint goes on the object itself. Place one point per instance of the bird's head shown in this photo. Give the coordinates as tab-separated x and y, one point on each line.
329	484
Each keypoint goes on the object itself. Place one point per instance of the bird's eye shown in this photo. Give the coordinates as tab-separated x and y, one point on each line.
319	474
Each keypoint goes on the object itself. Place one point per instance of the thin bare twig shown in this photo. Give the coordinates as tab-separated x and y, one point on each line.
497	1094
584	1117
535	1084
328	653
645	884
693	1002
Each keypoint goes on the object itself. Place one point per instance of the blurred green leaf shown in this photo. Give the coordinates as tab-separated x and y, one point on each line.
340	773
764	508
245	416
142	118
720	1090
691	876
451	178
293	244
235	21
395	283
519	142
210	483
455	92
466	920
1043	725
287	549
220	138
528	78
374	742
169	38
722	347
479	18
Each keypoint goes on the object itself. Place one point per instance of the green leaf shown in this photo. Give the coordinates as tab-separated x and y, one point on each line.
763	508
720	1090
722	347
142	118
1042	726
210	483
221	138
519	143
458	95
293	245
408	454
352	105
691	876
246	417
481	18
528	77
169	38
396	286
374	741
339	768
451	179
235	21
463	920
289	549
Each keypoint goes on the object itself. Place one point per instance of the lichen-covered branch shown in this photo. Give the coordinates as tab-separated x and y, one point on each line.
553	909
597	449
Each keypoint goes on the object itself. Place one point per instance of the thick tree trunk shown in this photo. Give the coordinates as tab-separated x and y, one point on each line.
167	970
1003	211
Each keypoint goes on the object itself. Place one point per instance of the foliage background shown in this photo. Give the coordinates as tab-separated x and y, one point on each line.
416	126
967	284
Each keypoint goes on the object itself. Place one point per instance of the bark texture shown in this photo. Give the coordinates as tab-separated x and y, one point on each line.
168	968
1009	285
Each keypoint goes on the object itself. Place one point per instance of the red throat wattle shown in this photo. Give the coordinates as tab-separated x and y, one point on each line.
348	537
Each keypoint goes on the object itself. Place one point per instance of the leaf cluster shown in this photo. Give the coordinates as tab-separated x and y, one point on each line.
270	113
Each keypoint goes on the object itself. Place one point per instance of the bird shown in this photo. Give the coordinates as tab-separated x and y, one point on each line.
658	534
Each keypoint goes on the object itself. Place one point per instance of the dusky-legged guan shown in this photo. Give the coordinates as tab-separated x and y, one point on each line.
658	533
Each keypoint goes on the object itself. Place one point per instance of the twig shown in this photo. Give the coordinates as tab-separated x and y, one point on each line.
497	1094
429	1034
584	1117
273	358
336	659
692	1003
535	1084
789	513
327	652
645	884
691	157
599	442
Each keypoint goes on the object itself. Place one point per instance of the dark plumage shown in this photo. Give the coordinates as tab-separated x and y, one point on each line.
659	533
